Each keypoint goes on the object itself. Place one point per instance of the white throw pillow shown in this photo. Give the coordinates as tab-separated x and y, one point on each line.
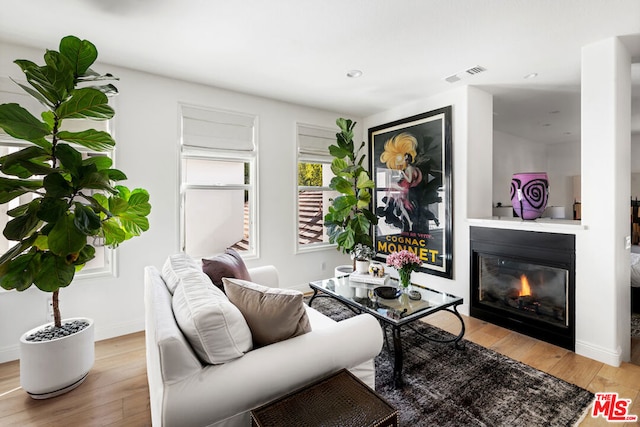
175	266
214	327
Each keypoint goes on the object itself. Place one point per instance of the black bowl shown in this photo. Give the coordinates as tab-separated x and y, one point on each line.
387	292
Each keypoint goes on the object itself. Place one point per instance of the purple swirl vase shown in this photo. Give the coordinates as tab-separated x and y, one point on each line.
529	194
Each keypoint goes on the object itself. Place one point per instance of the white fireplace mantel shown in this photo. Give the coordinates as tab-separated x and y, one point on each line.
545	225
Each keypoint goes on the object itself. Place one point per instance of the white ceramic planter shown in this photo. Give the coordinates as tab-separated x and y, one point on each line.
362	267
342	270
51	368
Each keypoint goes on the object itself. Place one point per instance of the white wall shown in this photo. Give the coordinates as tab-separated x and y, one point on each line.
602	260
472	173
513	154
146	131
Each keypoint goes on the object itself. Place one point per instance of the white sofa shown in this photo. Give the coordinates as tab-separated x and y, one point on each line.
185	392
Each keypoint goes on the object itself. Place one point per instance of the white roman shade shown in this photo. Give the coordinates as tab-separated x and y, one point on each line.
315	141
220	130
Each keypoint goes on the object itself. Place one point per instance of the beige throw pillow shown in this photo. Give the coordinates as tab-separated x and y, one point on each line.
214	327
272	314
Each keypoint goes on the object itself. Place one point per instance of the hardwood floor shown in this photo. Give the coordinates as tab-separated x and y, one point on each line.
116	393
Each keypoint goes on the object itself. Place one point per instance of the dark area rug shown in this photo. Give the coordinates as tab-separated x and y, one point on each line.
635	325
470	387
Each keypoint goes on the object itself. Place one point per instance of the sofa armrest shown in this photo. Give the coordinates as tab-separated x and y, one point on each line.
219	392
266	275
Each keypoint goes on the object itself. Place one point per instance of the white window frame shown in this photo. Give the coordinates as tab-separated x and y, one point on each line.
201	152
305	155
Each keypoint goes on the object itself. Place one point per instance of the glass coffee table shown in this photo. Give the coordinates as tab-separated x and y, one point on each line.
391	307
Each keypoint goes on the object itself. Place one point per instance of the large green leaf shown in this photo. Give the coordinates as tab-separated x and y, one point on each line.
113	232
98	180
139	203
57	186
86	220
70	158
51	209
52	84
23	225
85	103
81	53
20	272
61	68
21	124
86	254
101	162
65	238
54	273
15	250
27	162
90	138
342	185
338	152
364	181
37	95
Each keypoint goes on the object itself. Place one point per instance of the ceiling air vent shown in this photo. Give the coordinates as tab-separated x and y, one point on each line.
475	70
468	72
453	78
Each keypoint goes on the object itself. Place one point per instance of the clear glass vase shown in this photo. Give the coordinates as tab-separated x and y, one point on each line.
405	280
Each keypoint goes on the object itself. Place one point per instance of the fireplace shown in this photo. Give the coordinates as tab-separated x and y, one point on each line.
525	281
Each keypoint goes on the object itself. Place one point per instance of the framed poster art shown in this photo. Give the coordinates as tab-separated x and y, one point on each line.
410	162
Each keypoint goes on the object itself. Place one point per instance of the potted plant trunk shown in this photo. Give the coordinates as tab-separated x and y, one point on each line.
67	199
349	219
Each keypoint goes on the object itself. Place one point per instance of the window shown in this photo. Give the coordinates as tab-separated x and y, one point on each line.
104	260
313	177
217	182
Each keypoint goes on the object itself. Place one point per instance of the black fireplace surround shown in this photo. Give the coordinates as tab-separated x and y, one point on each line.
525	281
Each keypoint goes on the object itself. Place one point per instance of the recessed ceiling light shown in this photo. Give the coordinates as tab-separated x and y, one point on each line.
531	76
354	73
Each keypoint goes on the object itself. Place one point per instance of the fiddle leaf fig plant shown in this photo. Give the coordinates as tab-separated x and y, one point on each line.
63	199
349	219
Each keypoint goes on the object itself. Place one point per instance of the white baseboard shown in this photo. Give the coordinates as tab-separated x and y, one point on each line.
12	352
601	354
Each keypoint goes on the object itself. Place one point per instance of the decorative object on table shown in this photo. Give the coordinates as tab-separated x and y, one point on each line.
68	202
362	255
412	168
368	278
342	270
349	219
415	295
405	262
376	269
529	194
387	292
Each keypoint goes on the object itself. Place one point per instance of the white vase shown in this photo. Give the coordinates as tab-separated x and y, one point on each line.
51	368
362	267
342	270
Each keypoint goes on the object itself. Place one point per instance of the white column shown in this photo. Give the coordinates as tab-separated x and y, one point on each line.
602	277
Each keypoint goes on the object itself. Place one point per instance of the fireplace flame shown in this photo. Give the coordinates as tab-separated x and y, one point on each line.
525	289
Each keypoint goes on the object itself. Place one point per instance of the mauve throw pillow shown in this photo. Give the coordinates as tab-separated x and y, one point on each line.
228	264
273	314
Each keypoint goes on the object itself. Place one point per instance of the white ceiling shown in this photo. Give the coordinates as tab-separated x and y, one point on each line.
300	50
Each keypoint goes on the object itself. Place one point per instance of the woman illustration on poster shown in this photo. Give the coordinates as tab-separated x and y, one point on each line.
399	154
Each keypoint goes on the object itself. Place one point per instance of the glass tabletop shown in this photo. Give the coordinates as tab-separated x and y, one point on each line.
392	309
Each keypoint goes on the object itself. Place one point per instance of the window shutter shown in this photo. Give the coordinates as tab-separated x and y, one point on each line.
315	141
219	130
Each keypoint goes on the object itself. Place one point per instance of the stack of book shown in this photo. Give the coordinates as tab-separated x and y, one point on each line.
368	278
